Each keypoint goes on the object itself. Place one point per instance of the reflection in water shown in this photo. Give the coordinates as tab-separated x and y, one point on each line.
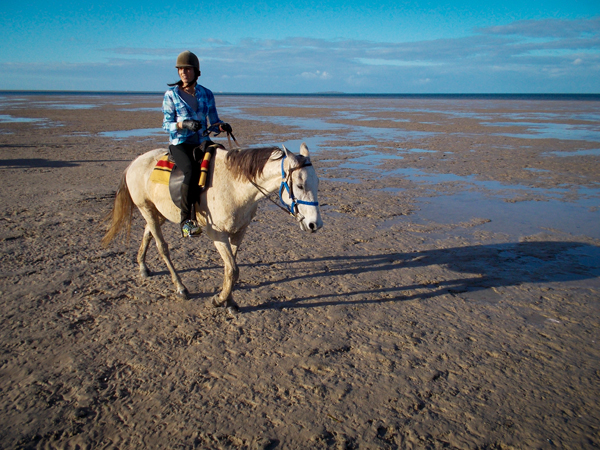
579	217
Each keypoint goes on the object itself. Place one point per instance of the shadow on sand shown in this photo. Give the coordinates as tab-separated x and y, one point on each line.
37	163
494	265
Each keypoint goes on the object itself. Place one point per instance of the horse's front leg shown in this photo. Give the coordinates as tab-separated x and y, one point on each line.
235	240
231	273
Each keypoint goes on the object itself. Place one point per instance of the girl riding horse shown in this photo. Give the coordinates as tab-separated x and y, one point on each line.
186	107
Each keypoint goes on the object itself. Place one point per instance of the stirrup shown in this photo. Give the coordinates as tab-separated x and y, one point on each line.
190	229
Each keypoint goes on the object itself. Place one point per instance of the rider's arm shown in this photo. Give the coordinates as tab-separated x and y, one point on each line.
175	113
169	113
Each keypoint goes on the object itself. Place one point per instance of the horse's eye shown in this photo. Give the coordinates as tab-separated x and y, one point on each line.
300	187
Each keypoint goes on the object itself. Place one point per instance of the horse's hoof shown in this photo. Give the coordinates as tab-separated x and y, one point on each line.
233	310
216	301
183	295
144	273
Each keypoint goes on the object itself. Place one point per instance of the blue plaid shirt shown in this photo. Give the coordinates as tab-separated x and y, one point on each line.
175	109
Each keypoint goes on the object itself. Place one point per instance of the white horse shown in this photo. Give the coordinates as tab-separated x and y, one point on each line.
239	179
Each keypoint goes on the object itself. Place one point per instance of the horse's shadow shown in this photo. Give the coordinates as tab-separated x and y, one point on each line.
39	163
495	265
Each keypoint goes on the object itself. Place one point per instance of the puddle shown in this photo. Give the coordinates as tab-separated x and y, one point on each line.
366	117
314	144
143	132
516	219
368	160
342	180
418	150
350	132
11	119
532	169
393	190
419	176
361	133
49	105
154	109
593	152
550	131
299	122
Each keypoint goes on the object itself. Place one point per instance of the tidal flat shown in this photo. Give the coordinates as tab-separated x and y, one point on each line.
451	299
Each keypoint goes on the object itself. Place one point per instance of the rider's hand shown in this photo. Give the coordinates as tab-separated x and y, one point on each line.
225	127
192	125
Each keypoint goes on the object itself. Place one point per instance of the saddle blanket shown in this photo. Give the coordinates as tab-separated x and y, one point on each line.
162	170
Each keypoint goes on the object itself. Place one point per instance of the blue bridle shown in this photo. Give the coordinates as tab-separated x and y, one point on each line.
293	208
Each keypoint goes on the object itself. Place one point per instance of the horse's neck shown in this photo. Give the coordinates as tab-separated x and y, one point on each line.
248	193
270	180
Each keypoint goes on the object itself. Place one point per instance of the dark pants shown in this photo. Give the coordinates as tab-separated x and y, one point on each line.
183	155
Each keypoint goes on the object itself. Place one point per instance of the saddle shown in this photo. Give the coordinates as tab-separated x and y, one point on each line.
166	171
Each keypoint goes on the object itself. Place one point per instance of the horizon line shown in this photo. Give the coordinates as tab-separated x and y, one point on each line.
303	94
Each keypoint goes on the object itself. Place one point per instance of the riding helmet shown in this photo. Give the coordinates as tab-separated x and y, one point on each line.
187	59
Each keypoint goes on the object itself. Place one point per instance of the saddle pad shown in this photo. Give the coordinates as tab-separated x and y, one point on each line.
166	172
162	170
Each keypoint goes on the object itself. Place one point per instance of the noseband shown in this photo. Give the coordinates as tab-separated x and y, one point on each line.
289	187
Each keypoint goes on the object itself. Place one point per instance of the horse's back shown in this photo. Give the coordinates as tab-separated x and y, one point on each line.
138	172
145	193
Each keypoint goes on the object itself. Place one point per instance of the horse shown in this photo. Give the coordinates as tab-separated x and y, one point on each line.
239	180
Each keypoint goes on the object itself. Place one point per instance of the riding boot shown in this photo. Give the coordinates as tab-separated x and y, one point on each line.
188	226
185	204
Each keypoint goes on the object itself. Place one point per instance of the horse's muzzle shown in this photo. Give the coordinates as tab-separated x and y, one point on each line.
311	226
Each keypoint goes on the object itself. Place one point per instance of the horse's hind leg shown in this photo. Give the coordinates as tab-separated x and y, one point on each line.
153	224
141	257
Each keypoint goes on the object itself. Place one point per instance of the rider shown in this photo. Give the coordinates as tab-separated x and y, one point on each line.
186	108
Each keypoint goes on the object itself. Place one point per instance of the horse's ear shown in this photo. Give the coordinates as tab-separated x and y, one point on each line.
287	153
304	150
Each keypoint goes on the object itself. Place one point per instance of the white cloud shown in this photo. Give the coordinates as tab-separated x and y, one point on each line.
316	75
525	56
547	28
396	62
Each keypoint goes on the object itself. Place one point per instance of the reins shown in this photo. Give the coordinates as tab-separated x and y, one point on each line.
216	130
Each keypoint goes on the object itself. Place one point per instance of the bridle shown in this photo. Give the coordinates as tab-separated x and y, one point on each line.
286	183
289	187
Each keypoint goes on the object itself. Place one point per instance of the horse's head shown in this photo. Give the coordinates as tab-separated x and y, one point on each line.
299	189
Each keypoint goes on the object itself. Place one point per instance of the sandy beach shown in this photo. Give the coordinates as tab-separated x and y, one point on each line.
451	299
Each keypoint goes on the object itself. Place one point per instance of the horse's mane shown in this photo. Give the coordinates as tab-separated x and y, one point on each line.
250	162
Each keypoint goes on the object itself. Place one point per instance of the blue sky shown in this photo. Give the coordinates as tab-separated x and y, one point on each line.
348	46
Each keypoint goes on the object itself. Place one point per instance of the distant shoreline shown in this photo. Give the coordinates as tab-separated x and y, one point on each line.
513	96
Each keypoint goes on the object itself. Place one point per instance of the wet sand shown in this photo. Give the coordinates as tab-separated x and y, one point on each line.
450	301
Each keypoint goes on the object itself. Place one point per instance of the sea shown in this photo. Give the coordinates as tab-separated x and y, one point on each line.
477	96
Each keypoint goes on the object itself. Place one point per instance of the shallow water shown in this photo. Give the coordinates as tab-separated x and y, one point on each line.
124	134
550	131
592	152
581	217
5	118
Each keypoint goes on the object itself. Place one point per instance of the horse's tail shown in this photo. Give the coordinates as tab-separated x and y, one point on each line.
121	214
